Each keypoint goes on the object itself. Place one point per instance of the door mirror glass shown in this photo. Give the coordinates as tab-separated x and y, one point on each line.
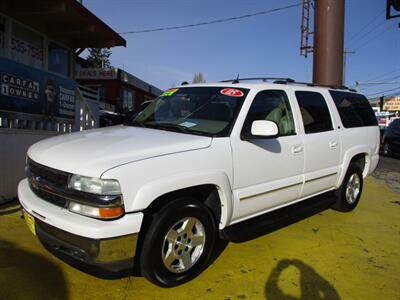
264	128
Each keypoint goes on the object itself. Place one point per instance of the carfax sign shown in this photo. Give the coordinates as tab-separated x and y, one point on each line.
30	90
19	87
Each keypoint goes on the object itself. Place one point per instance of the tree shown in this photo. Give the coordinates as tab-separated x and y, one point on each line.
198	78
99	57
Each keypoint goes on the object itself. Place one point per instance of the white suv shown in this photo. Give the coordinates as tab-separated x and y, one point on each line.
157	192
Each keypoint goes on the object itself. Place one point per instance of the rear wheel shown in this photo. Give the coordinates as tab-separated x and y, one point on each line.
179	243
349	193
386	149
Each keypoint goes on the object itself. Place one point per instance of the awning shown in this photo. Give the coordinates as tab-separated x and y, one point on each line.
64	20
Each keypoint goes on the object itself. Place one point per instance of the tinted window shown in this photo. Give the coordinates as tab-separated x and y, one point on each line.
272	105
354	109
314	111
394	126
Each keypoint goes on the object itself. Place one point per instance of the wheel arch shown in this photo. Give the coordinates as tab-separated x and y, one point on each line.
211	188
360	155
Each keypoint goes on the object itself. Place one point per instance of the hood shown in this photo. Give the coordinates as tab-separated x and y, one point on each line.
92	152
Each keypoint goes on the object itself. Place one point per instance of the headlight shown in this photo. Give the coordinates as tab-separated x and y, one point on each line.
95	212
94	185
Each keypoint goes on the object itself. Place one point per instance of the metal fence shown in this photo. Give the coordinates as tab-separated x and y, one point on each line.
18	131
15	120
87	108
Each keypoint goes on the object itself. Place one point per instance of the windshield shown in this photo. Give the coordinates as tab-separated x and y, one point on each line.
207	111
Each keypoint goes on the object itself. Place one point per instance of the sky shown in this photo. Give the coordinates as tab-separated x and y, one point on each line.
261	46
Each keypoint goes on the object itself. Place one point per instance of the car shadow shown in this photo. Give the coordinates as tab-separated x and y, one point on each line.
219	248
312	285
10	207
27	275
271	145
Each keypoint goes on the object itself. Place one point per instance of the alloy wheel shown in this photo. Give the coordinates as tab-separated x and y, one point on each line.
183	245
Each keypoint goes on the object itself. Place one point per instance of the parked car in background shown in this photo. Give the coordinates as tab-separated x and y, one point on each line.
131	115
108	118
391	139
384	118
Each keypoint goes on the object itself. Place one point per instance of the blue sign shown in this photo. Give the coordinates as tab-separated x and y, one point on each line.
30	90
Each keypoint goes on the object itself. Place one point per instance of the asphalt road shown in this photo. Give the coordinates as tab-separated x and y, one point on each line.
388	171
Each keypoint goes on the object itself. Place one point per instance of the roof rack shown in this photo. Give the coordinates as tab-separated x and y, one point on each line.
279	80
264	79
334	87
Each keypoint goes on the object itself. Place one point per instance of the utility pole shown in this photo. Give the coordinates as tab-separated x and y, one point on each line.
328	42
344	64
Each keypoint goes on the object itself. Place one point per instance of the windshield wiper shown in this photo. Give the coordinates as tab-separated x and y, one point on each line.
135	123
178	128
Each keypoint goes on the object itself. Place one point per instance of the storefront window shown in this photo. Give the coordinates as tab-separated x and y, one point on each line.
127	98
26	46
58	60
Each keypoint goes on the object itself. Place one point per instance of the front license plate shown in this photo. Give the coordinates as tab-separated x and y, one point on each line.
30	221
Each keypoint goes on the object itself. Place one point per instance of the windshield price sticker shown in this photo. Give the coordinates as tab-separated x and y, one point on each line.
169	92
232	92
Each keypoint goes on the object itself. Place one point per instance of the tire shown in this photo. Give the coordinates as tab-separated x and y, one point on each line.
349	193
386	149
179	242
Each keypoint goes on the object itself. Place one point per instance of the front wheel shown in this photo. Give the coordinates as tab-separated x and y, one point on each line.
179	242
349	193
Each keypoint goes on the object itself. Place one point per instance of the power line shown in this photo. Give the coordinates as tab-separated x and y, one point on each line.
362	37
382	75
383	92
391	78
374	38
374	19
213	21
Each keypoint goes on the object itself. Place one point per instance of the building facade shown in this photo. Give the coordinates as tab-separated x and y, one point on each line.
39	42
39	97
119	90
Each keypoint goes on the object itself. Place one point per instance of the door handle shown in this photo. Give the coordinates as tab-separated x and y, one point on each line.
333	144
298	149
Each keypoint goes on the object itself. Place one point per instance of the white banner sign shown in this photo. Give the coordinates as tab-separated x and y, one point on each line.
97	74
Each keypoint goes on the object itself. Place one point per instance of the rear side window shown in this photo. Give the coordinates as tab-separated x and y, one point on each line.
314	111
354	109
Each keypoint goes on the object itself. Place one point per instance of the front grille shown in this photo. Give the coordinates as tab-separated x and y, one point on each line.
51	175
37	174
50	197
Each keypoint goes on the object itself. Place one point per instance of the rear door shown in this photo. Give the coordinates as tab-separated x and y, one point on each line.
321	143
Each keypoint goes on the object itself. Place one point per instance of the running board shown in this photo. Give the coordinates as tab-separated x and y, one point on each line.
275	220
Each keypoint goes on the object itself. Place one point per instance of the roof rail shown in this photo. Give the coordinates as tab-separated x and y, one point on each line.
279	80
264	79
334	87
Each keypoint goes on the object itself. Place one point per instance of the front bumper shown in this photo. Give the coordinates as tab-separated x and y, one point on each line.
110	245
114	254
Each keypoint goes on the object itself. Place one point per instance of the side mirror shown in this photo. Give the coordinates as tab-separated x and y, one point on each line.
264	129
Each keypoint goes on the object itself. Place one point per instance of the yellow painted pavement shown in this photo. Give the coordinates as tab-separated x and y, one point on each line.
330	255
